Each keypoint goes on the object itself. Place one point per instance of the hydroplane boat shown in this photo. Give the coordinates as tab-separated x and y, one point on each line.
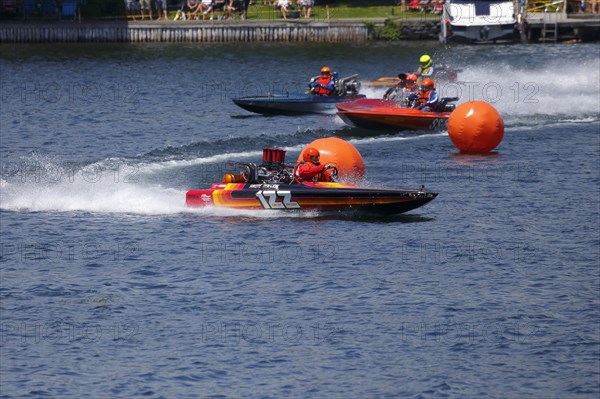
271	186
388	114
302	103
441	73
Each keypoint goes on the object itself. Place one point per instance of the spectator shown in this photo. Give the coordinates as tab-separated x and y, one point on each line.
283	6
161	8
194	7
414	5
215	6
180	14
231	7
132	8
147	7
205	6
306	7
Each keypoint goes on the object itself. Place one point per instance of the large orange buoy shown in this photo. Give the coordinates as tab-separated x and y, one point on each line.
344	155
475	126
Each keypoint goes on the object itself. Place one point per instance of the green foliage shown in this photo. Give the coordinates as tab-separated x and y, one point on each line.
389	31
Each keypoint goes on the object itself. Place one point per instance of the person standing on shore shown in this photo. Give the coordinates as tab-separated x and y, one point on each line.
146	7
161	8
132	8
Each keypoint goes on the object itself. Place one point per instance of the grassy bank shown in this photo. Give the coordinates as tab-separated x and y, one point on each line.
268	12
336	12
114	9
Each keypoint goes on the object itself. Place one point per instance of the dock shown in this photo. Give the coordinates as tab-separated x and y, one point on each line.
559	26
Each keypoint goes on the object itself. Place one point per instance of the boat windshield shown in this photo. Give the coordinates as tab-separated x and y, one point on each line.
482	7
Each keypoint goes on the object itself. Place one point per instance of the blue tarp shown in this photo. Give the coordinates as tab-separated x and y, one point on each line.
47	7
69	8
482	7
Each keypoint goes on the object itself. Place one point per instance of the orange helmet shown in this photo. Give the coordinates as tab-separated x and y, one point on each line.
311	154
427	84
411	81
325	71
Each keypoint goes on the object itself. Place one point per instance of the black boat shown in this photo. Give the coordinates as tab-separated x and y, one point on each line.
302	103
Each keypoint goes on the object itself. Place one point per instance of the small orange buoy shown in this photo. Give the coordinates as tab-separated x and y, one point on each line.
344	155
475	126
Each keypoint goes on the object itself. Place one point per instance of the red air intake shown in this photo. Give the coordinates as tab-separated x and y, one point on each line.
273	155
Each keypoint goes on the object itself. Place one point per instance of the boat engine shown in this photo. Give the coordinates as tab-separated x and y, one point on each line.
446	104
273	168
347	86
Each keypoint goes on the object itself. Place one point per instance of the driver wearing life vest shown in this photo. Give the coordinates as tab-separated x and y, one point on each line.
427	98
324	85
311	170
405	91
426	68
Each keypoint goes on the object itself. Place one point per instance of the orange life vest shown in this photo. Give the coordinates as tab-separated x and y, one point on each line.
322	91
424	96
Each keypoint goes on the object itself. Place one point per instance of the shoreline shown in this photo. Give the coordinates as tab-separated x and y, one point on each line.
218	31
186	31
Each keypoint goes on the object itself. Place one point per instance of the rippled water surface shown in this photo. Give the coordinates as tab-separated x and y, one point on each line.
110	287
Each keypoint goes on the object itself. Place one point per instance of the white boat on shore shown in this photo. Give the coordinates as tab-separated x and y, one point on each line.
478	21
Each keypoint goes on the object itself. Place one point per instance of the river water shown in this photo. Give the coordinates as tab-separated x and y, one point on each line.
110	287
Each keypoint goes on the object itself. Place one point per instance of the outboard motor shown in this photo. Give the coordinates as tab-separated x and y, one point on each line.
347	85
446	104
352	87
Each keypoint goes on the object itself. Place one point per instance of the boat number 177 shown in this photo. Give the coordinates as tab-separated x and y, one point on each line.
271	199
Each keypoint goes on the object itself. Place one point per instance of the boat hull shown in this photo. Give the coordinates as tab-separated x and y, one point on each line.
480	21
386	115
308	196
482	34
292	104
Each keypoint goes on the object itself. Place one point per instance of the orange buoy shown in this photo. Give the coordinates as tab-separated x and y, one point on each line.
344	155
475	126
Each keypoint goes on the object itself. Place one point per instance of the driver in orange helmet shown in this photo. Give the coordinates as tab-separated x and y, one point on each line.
405	91
428	99
324	85
311	170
